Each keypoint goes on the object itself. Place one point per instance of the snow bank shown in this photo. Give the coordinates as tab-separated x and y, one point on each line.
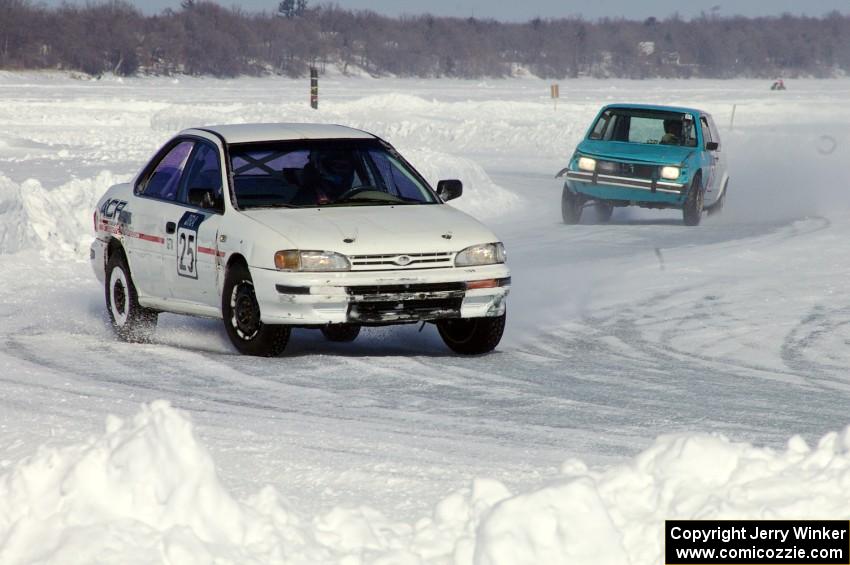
481	198
146	491
57	222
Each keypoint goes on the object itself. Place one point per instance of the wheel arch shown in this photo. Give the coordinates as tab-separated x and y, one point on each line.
233	260
113	245
698	175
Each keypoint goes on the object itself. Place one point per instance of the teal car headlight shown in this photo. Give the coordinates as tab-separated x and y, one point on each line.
484	254
670	173
587	164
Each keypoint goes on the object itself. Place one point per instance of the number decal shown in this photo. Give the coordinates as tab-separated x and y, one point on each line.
187	244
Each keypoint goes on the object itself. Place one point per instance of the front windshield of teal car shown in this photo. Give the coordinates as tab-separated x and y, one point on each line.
654	127
319	173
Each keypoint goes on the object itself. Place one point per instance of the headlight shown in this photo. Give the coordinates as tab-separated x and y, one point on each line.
484	254
587	164
670	173
295	260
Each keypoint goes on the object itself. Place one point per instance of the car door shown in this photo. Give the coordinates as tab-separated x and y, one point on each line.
193	260
710	159
145	228
720	161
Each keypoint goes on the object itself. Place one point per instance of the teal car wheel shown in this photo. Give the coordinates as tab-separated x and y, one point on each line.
571	206
692	212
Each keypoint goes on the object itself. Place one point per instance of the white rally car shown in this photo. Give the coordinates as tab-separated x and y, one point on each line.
274	226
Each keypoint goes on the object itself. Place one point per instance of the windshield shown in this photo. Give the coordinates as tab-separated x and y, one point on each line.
645	126
311	173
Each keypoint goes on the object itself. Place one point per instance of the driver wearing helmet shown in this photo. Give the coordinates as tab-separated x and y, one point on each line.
334	173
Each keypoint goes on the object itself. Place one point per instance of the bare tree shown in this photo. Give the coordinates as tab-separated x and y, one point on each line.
202	37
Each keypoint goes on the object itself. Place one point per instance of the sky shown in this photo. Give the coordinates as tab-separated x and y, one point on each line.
529	9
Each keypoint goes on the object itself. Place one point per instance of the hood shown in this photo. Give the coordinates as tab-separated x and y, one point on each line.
375	229
637	152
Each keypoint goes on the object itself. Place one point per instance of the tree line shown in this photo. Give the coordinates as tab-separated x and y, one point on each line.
204	38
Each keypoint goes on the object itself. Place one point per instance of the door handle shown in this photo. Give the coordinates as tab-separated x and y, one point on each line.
170	227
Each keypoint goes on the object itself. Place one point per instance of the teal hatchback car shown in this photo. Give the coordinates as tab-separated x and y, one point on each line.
648	156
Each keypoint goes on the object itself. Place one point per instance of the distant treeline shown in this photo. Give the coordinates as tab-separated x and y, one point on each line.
203	38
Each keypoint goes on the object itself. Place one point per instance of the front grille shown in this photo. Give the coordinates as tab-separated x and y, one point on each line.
630	170
405	302
405	310
405	288
396	261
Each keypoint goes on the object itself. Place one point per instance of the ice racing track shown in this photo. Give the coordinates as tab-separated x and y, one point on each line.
617	334
597	384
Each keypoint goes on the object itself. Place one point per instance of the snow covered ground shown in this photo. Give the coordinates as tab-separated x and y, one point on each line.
649	370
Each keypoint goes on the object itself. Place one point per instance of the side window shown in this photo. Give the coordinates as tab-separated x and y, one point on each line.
706	131
204	171
164	180
601	126
715	136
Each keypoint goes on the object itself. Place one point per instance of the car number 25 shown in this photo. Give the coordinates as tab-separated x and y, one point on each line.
187	244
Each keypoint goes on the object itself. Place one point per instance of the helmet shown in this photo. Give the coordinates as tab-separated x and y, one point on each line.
333	165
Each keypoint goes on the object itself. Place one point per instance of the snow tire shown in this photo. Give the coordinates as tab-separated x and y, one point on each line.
241	312
131	321
472	336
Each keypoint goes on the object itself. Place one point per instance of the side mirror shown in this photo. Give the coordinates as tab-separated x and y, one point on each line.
712	146
204	198
449	189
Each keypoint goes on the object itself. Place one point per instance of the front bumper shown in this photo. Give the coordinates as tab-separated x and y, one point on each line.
613	187
380	297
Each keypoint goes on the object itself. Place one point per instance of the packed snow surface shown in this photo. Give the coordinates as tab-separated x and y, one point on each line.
649	371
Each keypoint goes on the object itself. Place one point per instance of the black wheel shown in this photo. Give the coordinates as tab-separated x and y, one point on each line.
603	212
341	332
242	317
692	212
717	207
472	336
571	206
130	321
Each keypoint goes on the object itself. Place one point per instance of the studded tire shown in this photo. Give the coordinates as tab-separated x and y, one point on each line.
472	336
241	312
131	321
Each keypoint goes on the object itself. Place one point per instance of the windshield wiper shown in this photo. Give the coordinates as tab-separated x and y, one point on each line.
276	205
355	200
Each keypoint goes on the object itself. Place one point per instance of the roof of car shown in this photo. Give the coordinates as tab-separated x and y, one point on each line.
657	107
247	133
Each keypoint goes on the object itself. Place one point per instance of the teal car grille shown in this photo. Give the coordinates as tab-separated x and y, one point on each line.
629	170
